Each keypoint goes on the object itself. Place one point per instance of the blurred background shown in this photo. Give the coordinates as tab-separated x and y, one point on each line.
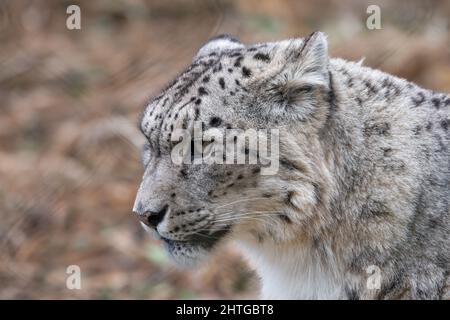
69	144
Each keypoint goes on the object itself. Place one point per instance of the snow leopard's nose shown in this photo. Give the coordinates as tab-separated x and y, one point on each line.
152	218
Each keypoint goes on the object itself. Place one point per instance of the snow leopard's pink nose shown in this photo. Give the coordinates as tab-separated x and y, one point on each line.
152	218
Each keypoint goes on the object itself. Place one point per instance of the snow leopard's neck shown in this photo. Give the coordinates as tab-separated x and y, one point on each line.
367	140
295	271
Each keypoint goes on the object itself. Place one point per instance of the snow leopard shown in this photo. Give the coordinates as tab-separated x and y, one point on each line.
359	206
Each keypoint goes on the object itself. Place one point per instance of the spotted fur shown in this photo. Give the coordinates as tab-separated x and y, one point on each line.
363	181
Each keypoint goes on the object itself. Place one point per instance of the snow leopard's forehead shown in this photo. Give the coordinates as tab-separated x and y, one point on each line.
213	89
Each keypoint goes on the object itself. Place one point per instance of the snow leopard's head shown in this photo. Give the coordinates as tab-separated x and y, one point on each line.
280	92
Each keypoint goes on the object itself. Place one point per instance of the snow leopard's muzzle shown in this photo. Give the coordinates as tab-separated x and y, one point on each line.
189	235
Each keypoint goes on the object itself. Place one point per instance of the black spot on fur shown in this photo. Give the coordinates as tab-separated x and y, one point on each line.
237	63
222	83
262	56
417	130
433	223
215	122
285	218
205	79
387	152
246	72
436	102
419	99
350	82
371	87
236	54
217	68
256	170
359	101
386	83
445	123
202	91
198	101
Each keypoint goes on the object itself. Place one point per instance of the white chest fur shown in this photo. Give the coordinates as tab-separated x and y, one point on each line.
289	272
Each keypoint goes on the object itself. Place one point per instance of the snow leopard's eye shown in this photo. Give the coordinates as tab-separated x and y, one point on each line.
145	154
200	148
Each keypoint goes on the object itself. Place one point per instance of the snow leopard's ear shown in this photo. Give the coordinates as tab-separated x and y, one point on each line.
298	77
218	43
305	64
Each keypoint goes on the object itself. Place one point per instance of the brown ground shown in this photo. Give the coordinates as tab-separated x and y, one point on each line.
69	166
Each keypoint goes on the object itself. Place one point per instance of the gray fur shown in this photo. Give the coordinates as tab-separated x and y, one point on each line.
364	172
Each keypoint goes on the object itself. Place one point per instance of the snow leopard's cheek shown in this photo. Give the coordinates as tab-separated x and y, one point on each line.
234	183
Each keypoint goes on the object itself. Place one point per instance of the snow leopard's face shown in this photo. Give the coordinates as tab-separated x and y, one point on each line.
230	88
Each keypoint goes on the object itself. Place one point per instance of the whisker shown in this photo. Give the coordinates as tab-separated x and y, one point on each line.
239	201
256	215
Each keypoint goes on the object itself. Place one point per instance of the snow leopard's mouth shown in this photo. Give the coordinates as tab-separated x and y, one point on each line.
201	239
189	249
195	248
